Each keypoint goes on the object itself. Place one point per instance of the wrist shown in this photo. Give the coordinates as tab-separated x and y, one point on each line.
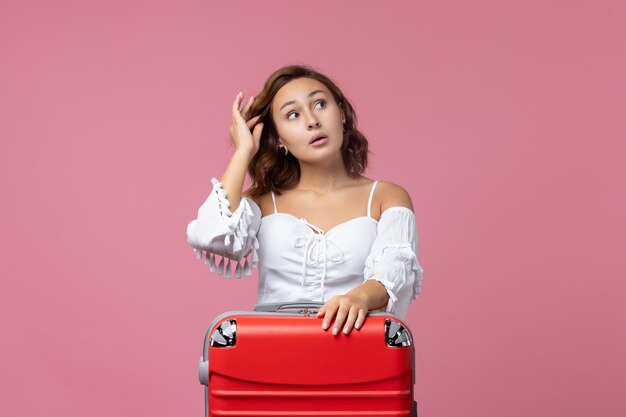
373	293
377	295
243	155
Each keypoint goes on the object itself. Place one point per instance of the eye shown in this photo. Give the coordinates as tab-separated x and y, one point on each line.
318	101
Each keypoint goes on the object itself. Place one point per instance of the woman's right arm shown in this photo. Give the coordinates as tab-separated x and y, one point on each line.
228	222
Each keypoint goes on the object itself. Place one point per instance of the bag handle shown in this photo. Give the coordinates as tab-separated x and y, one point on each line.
303	306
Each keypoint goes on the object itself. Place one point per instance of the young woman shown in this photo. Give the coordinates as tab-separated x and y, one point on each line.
317	228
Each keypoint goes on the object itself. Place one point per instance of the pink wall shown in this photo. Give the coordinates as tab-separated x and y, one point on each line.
504	120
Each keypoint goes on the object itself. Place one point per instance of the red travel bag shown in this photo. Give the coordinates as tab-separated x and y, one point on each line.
278	361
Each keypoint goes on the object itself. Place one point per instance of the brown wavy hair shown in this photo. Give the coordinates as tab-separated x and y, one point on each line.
269	168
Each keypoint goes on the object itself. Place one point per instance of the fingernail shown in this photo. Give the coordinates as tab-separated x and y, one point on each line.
325	326
335	331
345	331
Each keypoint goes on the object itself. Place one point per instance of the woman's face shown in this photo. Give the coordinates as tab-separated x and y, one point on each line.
302	109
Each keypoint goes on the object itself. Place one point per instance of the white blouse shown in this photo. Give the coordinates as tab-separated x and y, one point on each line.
298	261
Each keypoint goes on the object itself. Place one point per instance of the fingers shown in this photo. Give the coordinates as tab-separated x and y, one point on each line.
321	311
360	319
236	103
328	312
354	314
245	112
253	121
246	109
256	133
342	313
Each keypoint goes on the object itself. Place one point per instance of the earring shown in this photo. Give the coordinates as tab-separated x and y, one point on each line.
284	148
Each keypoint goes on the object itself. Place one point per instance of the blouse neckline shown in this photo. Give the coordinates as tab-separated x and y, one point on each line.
319	230
392	208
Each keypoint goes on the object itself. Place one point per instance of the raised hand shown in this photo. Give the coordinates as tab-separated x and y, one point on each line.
245	132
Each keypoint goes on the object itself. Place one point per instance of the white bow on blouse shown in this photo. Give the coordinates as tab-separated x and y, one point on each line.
312	245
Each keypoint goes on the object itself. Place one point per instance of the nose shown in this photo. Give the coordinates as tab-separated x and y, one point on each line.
312	121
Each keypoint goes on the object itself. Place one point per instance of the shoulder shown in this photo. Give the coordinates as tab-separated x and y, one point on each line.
388	194
264	202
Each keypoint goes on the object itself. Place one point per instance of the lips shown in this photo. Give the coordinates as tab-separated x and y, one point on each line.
316	137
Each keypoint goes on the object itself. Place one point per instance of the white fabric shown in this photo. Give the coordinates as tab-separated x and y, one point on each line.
393	259
231	235
297	261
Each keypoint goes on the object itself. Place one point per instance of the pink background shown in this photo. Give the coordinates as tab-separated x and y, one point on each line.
504	120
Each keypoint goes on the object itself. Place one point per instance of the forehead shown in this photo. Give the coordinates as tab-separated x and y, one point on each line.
297	90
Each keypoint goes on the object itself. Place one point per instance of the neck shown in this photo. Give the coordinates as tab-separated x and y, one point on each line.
322	177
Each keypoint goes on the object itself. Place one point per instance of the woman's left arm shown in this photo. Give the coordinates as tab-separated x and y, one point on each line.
386	277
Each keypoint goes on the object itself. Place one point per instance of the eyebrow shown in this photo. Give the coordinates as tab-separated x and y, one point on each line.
293	101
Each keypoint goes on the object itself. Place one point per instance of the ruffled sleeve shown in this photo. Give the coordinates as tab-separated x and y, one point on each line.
393	259
232	235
